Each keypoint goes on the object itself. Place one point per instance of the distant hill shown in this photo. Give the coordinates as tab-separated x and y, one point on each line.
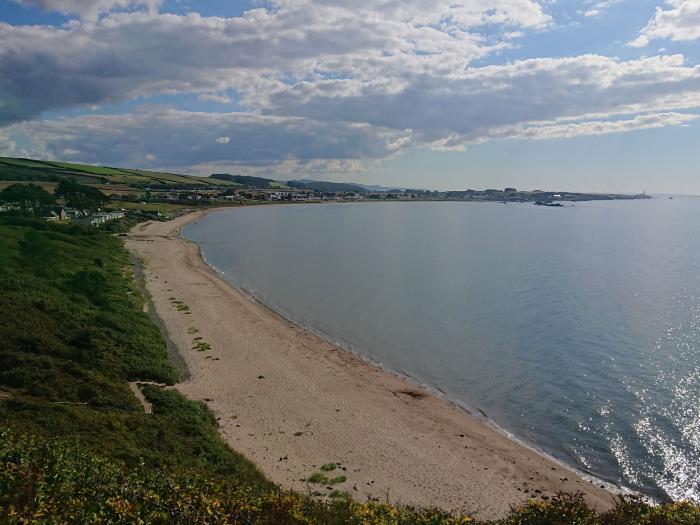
246	181
319	185
330	187
19	169
382	188
111	180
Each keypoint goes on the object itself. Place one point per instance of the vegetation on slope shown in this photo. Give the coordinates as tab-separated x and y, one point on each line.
15	169
76	446
55	481
248	181
72	334
323	186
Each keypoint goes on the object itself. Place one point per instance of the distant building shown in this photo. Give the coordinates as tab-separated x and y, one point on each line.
73	213
510	190
101	218
56	216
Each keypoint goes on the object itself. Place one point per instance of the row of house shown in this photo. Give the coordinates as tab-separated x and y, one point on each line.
101	218
83	216
250	194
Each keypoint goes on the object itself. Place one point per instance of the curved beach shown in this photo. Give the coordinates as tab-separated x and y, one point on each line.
291	401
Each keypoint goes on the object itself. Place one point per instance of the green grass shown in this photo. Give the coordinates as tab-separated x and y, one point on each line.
73	333
14	169
179	305
321	479
97	170
28	163
201	346
163	207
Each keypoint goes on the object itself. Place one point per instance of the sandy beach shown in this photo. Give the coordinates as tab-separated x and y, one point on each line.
291	402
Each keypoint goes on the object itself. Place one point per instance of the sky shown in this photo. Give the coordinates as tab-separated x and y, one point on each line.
587	95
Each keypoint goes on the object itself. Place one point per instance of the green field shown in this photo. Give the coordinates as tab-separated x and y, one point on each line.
162	207
14	169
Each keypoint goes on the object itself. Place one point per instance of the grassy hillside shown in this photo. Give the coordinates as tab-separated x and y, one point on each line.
14	169
330	187
249	182
77	446
72	334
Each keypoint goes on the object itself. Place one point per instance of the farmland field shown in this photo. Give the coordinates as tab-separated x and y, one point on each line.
14	169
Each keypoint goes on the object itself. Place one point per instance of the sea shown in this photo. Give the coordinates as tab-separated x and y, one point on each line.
576	330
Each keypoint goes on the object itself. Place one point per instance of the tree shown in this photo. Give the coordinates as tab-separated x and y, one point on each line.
27	196
80	196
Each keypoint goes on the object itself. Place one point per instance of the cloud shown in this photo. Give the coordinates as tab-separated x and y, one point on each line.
8	147
214	97
200	142
124	56
464	14
469	106
596	8
88	9
404	74
185	139
680	22
555	130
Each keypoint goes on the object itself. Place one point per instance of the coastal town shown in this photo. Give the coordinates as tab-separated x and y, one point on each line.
310	195
97	195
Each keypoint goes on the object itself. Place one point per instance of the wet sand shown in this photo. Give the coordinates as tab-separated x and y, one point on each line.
291	401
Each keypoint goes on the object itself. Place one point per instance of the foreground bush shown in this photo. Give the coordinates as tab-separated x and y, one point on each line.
60	482
57	482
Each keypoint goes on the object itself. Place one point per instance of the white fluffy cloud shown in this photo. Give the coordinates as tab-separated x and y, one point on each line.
557	130
88	9
594	8
468	107
320	82
462	14
679	22
129	55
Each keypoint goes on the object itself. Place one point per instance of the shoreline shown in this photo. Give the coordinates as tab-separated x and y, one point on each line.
315	402
468	409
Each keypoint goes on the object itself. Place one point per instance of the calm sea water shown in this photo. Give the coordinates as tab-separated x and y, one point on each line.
575	329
